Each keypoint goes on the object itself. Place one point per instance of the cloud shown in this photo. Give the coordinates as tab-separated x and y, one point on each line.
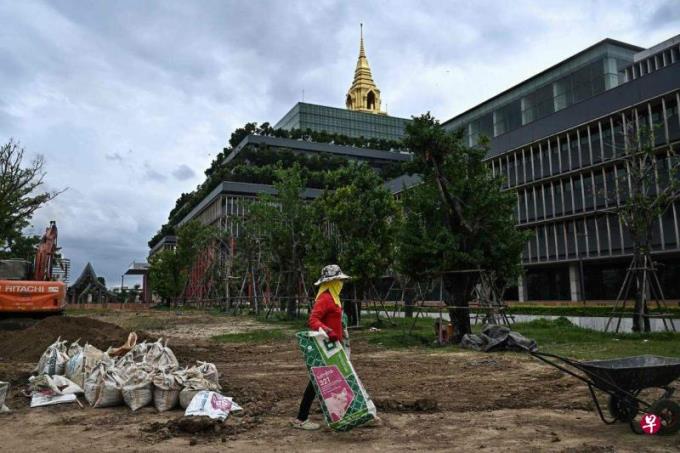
153	175
183	172
171	80
116	157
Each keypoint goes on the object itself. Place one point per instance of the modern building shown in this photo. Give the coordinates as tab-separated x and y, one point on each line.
334	120
557	138
363	116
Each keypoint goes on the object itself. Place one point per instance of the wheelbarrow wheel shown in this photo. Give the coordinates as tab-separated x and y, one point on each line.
622	408
669	413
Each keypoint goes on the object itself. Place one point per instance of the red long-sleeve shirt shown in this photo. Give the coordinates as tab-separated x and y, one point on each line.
326	314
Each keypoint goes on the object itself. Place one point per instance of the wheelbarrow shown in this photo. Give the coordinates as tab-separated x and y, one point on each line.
623	380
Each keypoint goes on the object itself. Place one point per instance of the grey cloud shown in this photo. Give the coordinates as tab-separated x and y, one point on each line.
668	13
183	172
152	174
116	157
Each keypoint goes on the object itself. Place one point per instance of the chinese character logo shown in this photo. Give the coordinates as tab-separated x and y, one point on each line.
650	423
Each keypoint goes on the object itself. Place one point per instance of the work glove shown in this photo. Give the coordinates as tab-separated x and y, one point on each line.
332	336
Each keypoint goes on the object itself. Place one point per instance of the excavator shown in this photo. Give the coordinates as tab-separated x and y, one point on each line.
32	290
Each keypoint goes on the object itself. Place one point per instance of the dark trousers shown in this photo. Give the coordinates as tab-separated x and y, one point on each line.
306	403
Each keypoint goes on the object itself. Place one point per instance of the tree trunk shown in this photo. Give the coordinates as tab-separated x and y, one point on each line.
293	293
641	263
457	296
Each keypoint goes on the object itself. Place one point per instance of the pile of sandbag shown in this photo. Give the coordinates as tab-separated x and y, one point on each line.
4	390
135	374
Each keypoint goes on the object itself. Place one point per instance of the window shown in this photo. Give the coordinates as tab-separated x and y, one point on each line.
571	240
599	189
539	202
545	159
508	117
588	191
584	143
580	237
578	193
607	139
658	124
574	153
550	231
537	104
557	187
560	240
596	151
568	203
554	157
591	236
672	118
615	229
564	154
668	227
548	200
603	235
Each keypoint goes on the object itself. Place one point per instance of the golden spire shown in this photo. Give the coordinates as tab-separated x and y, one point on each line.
363	95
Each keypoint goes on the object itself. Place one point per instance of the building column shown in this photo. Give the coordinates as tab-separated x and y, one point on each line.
522	293
575	282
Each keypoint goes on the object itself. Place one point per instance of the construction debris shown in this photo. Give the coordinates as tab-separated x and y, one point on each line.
498	338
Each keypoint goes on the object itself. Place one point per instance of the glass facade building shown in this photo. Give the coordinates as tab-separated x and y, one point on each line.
341	121
558	139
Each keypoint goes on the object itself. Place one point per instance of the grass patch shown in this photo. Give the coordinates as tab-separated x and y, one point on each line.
557	336
255	336
563	338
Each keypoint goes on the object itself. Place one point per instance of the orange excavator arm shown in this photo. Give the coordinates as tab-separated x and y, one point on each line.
45	254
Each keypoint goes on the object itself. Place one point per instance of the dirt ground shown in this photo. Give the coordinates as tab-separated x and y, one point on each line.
453	401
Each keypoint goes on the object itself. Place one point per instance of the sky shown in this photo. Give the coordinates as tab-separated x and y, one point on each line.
129	101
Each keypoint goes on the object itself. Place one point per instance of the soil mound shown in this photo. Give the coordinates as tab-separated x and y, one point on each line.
28	344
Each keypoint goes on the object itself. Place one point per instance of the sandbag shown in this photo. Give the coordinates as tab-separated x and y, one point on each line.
209	372
53	360
4	390
192	386
138	388
111	390
139	351
74	348
167	386
343	399
81	365
211	404
160	356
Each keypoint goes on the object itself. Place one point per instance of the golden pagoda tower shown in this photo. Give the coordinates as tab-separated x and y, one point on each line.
363	95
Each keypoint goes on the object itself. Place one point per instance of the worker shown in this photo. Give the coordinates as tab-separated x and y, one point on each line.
326	315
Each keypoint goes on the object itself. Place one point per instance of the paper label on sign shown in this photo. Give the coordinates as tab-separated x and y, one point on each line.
334	389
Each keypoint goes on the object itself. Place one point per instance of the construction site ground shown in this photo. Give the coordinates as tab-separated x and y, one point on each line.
428	399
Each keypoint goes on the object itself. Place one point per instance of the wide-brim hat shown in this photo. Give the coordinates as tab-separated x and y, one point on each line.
330	273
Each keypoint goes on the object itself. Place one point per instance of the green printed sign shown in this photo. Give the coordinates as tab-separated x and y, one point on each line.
344	401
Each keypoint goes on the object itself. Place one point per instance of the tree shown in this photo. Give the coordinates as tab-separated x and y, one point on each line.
169	269
648	187
20	197
457	220
286	225
358	224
